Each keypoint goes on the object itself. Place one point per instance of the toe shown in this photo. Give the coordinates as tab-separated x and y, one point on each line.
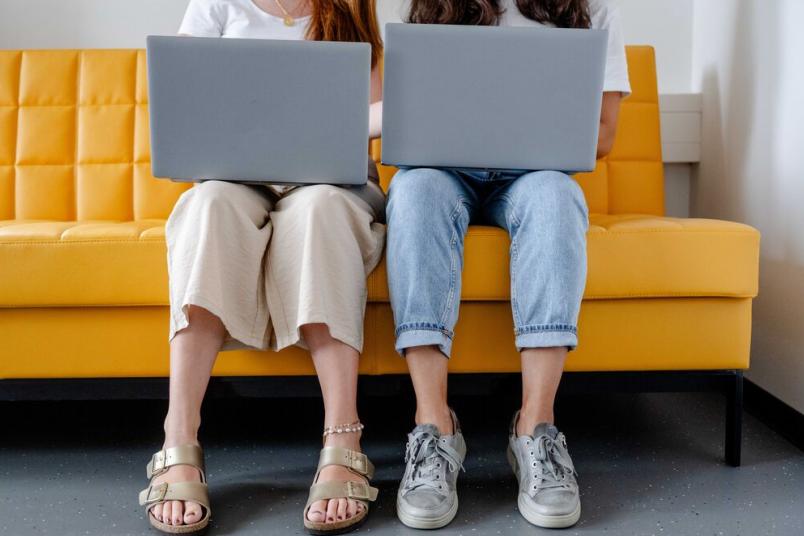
317	512
332	510
178	512
351	509
156	511
341	512
192	513
167	508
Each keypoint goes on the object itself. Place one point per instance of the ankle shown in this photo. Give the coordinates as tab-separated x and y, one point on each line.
530	417
348	441
440	417
180	432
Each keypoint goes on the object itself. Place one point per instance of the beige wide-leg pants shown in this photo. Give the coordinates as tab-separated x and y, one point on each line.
267	267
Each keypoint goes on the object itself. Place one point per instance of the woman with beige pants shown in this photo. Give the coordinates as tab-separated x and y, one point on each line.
271	267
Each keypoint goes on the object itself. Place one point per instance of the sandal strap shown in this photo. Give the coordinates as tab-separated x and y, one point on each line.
360	491
356	461
182	455
179	491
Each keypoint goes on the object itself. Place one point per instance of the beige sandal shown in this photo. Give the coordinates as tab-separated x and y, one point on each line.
179	491
362	492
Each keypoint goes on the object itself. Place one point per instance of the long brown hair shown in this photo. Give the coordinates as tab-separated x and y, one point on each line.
561	13
346	20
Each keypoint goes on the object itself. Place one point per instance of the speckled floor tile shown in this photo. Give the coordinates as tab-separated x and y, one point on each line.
649	464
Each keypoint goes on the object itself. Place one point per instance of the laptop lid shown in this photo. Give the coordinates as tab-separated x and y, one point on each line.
259	110
500	98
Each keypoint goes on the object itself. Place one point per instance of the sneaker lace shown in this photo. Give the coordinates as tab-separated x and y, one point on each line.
426	452
551	463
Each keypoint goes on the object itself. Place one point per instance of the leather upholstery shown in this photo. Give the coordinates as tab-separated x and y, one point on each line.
82	253
74	138
104	263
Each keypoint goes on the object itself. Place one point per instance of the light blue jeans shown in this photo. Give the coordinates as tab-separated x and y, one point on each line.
429	211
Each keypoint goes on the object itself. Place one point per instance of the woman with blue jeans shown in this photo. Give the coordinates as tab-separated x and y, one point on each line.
545	214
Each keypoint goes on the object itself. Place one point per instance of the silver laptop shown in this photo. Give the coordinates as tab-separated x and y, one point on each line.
495	98
252	110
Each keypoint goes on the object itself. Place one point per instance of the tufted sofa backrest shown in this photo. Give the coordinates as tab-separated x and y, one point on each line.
74	141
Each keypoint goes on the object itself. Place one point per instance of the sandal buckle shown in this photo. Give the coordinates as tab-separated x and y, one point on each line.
158	462
359	462
357	490
160	490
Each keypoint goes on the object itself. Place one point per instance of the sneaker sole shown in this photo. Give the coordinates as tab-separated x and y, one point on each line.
415	522
536	518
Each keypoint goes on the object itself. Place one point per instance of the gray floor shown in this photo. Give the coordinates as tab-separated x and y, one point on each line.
649	464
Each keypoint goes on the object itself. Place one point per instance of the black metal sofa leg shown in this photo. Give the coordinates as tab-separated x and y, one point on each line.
734	418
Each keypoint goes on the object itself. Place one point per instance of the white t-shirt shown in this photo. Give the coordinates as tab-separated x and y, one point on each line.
604	15
238	18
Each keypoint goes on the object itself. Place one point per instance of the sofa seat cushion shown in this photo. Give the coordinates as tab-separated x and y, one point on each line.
630	256
82	263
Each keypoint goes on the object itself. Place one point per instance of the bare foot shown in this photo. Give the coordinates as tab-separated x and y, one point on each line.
178	512
335	510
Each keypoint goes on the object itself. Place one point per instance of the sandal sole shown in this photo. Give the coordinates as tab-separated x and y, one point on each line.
322	529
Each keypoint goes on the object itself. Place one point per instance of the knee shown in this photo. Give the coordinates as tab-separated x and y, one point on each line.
421	192
207	201
318	196
417	183
320	201
213	196
318	205
549	193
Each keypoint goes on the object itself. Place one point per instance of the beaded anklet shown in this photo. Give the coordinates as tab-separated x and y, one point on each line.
350	428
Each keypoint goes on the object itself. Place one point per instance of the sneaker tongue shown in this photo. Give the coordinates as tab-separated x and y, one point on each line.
545	429
427	428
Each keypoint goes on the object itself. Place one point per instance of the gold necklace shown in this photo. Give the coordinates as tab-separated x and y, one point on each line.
289	20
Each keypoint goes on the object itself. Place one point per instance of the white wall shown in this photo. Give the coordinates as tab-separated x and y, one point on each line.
666	24
747	61
86	23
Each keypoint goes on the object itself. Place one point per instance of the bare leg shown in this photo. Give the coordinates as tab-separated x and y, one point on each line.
541	374
336	364
428	371
192	354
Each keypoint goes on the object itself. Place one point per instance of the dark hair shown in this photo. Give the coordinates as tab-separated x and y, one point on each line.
561	13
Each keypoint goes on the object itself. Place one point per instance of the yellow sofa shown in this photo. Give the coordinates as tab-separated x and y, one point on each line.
83	280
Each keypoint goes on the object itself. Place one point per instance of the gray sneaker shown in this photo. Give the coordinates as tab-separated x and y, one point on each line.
427	498
548	489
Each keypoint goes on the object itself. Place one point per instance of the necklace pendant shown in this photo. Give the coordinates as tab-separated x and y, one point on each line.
289	21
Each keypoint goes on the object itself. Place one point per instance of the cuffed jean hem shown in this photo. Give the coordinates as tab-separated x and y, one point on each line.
546	337
423	336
